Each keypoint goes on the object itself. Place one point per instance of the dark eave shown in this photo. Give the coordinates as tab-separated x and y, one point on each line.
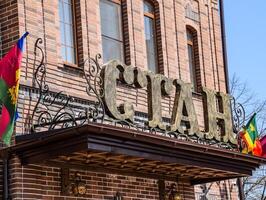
126	150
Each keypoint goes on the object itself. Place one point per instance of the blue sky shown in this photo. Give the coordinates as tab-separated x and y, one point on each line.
245	22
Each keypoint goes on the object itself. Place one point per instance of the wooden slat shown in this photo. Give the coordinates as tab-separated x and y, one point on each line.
143	166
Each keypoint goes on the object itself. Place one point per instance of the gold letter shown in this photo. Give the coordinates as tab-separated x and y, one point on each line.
111	73
218	112
158	85
183	110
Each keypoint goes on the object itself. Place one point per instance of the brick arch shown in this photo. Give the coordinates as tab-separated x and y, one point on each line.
197	69
192	29
158	33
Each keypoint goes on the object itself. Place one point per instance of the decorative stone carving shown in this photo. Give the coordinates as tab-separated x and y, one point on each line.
191	11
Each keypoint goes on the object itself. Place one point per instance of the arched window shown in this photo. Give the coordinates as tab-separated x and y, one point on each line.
150	36
112	32
193	58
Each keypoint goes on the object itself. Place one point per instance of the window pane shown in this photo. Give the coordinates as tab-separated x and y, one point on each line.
63	52
61	11
67	31
112	49
189	36
148	8
151	48
152	62
70	55
68	13
62	33
69	35
111	27
111	19
191	65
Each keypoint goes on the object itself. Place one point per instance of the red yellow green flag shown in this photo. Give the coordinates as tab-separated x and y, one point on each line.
9	86
251	138
263	145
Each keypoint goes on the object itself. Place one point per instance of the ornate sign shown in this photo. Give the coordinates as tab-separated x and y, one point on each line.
218	120
58	110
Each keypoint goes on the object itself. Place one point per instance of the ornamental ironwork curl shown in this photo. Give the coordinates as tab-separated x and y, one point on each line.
52	110
173	134
92	73
58	110
238	115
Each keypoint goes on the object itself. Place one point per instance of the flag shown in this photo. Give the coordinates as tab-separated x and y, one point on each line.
9	86
263	145
250	138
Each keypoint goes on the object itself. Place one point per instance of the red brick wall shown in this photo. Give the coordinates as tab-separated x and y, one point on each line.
9	33
44	182
41	19
44	22
29	15
8	24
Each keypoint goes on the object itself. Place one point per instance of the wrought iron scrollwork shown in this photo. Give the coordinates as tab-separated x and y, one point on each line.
172	134
92	72
52	110
56	110
238	115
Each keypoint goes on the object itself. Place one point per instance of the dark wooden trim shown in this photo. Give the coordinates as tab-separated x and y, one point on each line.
116	1
67	64
52	150
150	15
209	180
37	139
43	147
110	170
163	154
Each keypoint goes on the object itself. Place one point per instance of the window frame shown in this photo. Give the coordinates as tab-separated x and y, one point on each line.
74	26
116	1
121	21
195	80
153	17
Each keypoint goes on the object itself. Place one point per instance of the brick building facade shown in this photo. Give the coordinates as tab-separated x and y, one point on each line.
173	20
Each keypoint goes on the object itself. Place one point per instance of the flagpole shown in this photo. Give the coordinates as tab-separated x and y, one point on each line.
5	168
251	118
